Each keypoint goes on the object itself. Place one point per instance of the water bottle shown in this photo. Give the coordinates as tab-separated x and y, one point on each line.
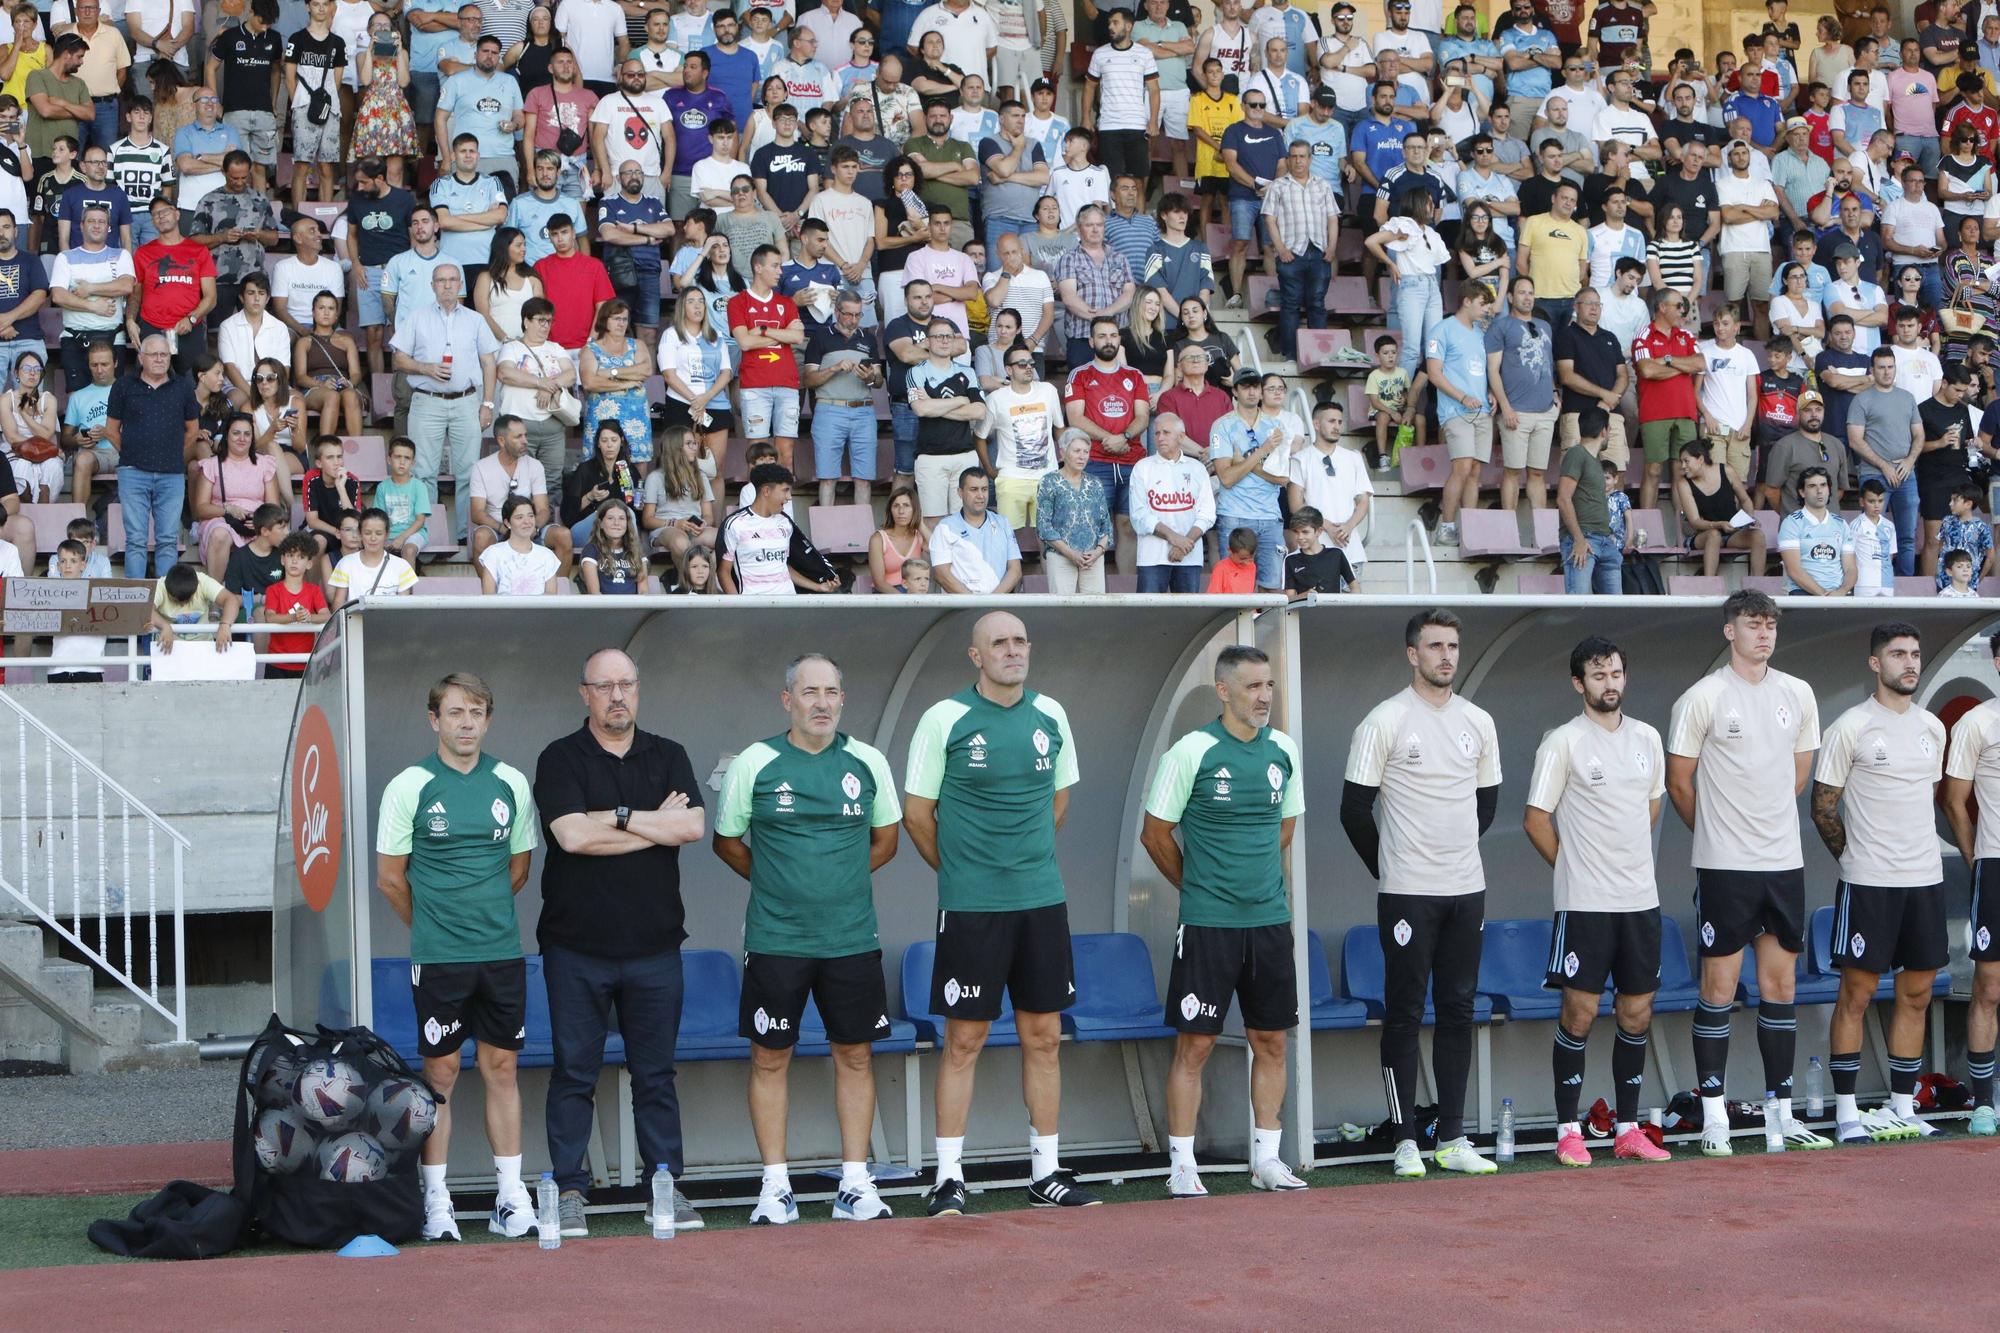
1774	1124
663	1203
1815	1089
548	1215
1503	1146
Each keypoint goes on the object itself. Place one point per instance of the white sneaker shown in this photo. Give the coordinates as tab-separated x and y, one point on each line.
1233	303
1884	1126
775	1207
859	1203
1800	1139
1185	1183
1272	1174
1459	1155
1715	1141
1409	1162
513	1214
1919	1127
1447	534
439	1222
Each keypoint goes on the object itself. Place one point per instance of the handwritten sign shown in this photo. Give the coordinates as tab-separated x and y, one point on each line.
104	607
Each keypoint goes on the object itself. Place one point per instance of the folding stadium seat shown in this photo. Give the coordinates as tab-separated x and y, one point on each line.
1490	533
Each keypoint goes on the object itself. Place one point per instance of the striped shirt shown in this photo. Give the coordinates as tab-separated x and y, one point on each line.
1098	283
140	172
1301	210
1676	260
1121	86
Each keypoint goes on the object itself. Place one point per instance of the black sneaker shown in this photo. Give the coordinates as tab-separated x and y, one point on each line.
947	1198
1057	1190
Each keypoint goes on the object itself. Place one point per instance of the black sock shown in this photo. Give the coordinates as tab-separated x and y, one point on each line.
1399	1085
1568	1064
1778	1040
1903	1073
1979	1069
1628	1073
1451	1064
1846	1070
1711	1047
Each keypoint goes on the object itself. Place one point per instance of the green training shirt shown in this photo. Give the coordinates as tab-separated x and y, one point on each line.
809	817
994	772
459	830
1230	798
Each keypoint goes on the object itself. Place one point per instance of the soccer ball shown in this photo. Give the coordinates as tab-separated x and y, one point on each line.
331	1094
401	1114
352	1159
284	1142
276	1085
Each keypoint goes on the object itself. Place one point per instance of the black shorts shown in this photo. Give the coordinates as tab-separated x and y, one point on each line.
979	953
1590	947
1934	493
1985	924
1887	930
1218	185
487	1002
853	1001
1734	907
1212	963
673	412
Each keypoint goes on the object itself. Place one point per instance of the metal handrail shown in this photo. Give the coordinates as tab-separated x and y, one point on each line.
1416	539
1246	343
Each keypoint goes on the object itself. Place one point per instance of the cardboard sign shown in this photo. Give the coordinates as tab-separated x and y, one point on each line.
121	607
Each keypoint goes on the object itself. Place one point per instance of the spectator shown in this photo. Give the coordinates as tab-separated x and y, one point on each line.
1112	403
1415	255
1050	240
186	596
292	600
485	103
95	190
1122	98
1247	453
747	227
896	542
332	499
228	490
1555	252
1520	366
1591	555
713	175
1710	495
874	151
895	105
1455	361
1312	565
973	552
1808	446
1016	171
1913	109
1024	416
385	126
614	561
83	435
945	397
405	500
1302	221
1333	482
949	168
1964	535
1885	434
853	232
901	217
1177	266
1728	392
756	541
1667	360
632	226
91	284
313	60
235	223
1172	509
1093	282
509	281
175	278
448	352
658	131
767	327
1252	153
518	566
1237	573
468	206
255	565
1194	397
379	215
1197	329
679	502
28	412
695	365
575	283
563	106
246	64
24	289
844	368
593	29
1816	547
532	372
374	570
61	102
303	275
150	422
787	173
1950	434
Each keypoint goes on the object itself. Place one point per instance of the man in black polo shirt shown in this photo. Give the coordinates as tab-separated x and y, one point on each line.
150	421
905	340
1694	190
617	803
1592	372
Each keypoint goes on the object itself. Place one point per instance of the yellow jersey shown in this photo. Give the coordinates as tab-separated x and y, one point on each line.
1212	115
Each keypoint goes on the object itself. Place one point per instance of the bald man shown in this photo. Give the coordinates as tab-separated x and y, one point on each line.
986	789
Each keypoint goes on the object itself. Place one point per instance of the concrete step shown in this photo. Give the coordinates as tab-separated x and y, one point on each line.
88	1059
21	947
116	1021
68	985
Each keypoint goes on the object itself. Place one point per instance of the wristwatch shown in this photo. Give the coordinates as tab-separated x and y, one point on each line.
624	817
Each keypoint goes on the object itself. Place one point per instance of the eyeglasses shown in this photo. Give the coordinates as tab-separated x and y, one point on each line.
605	688
1028	364
1478	151
864	41
740	189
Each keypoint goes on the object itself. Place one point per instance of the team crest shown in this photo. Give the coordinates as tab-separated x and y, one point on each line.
1926	747
1982	939
1708	933
438	825
1784	716
762	1022
1733	727
1041	741
851	785
1881	751
1593	769
951	992
1569	964
1466	745
1402	932
1221	788
500	811
1643	760
1190	1006
1856	946
1276	777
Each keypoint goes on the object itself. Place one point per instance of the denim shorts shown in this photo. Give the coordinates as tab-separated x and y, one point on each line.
1243	215
369	310
770	412
643	295
1116	479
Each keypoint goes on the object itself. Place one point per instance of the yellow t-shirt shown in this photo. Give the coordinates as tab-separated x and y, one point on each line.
26	63
1558	251
1212	115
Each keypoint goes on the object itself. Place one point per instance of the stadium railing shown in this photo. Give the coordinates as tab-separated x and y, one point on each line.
131	659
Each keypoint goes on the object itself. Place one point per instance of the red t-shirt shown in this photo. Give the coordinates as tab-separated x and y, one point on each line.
1985	122
577	286
1819	125
1109	398
1228	576
281	600
766	367
1671	398
170	280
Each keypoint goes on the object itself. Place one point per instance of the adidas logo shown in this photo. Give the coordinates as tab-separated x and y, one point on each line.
1223	773
977	740
882	1022
784	786
437	808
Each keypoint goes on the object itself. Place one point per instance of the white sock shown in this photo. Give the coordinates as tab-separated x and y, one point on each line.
1785	1111
1264	1145
1904	1104
1043	1155
1180	1151
1715	1111
1626	1127
509	1171
949	1154
854	1173
1844	1110
1569	1127
433	1178
777	1178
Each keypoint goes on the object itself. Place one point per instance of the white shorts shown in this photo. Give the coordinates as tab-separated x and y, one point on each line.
1017	70
1173	113
937	481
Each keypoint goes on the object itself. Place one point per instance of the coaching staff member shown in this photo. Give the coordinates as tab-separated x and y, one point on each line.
617	803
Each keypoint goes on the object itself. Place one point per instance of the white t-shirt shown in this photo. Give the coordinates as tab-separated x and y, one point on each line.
107	265
1631	124
849	219
1727	370
1743	191
1122	79
1600	786
715	174
237	346
1334	496
591	28
546	360
1975	757
1911	223
1023	430
1744	737
298	283
519	574
759	548
1917	370
1585	105
392	578
613	113
1029	292
1886	764
162	18
350	24
1429	763
1073	189
491	483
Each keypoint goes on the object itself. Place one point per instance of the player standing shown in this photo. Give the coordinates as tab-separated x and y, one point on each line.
986	789
1872	802
1747	728
1597	777
452	847
1234	790
1972	767
820	811
1434	761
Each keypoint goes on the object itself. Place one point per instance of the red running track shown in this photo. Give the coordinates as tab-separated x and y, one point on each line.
1862	1238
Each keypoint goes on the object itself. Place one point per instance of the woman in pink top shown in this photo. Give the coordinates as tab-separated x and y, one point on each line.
900	538
228	488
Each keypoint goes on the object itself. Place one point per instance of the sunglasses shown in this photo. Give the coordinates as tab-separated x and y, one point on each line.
1253	106
1021	365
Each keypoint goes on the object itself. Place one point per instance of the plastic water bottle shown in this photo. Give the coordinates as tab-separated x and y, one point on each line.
1503	1146
548	1214
1774	1125
1815	1089
663	1203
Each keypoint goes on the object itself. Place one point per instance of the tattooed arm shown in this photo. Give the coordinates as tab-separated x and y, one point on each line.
1826	818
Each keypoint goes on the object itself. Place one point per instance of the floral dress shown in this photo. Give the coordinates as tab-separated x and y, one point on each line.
628	409
383	123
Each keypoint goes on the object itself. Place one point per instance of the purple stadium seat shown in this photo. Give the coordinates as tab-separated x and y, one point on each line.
1653	522
841	529
1490	532
1696	585
1548	531
367	457
1539	585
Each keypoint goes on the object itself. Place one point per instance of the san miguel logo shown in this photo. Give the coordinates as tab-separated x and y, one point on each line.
316	824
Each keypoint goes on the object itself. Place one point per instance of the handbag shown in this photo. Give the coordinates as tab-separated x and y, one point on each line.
1958	317
245	528
565	406
40	449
